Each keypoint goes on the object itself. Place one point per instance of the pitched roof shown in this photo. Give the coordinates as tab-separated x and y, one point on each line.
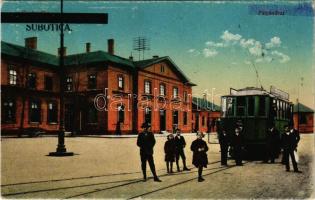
46	58
204	104
85	58
302	108
146	63
96	56
27	53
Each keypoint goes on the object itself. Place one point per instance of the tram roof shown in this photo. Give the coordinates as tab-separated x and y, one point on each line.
253	91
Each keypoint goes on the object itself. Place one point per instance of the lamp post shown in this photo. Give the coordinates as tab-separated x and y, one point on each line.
61	148
60	18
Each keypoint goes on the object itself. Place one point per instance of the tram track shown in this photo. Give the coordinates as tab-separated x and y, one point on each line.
163	188
125	182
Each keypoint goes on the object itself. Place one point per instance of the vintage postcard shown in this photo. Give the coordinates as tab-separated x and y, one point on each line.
157	99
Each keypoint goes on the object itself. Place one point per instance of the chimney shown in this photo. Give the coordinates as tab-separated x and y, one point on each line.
31	42
155	56
110	46
64	53
88	47
131	58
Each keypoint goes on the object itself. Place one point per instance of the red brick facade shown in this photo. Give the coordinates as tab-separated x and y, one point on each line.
87	76
306	122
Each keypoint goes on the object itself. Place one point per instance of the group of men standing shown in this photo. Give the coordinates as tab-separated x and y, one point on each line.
287	141
174	150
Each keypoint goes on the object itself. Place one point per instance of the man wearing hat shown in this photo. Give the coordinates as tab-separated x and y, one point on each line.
290	139
224	143
146	142
180	144
200	159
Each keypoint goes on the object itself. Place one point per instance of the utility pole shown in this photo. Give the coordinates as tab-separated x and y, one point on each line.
61	18
298	103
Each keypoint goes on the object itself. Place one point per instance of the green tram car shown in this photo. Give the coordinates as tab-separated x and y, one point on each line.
256	109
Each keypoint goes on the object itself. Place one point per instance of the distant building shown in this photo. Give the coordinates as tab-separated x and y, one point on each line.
305	116
204	115
30	91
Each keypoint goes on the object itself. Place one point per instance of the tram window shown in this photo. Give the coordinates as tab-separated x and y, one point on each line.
230	106
251	106
278	109
262	106
281	110
223	105
240	106
288	111
285	107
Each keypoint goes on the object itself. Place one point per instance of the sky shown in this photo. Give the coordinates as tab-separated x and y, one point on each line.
218	45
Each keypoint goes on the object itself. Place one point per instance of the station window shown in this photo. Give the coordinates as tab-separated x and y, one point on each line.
302	118
262	106
48	83
162	68
175	117
91	113
203	121
185	97
69	83
251	106
35	111
120	82
175	92
240	106
147	115
162	89
52	112
92	81
32	80
12	77
147	87
8	111
121	113
185	118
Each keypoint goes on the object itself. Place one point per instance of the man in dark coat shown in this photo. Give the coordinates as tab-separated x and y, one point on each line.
200	159
169	149
272	140
223	140
290	139
237	145
146	142
180	144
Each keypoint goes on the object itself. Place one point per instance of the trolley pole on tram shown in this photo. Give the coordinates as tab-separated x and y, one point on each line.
298	103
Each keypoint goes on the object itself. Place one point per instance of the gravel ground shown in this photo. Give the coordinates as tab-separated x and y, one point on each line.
110	168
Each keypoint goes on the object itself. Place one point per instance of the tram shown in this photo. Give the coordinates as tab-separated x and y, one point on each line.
256	109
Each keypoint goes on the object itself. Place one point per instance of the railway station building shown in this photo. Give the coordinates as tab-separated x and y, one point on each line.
204	115
305	117
128	92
